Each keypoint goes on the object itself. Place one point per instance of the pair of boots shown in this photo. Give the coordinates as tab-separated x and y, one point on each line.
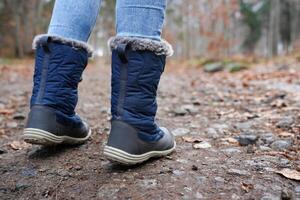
136	69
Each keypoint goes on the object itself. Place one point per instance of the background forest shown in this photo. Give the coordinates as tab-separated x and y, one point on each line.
195	28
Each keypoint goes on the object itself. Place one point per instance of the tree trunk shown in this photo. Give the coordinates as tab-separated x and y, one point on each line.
17	9
274	27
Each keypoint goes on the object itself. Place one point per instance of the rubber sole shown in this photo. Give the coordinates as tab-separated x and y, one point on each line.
41	137
125	158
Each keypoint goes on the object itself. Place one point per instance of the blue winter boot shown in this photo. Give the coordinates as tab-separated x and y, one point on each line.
137	65
59	64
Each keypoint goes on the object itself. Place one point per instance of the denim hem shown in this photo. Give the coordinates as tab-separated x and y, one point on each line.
71	42
141	44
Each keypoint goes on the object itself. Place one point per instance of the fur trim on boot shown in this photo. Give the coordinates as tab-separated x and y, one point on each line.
140	44
71	42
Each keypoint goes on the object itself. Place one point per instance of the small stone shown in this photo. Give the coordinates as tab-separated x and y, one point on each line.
21	186
264	148
195	126
220	179
238	172
194	168
180	111
280	145
183	161
268	138
201	179
19	116
244	126
285	122
42	170
202	145
250	149
78	167
180	132
12	124
284	163
268	196
104	110
276	188
245	140
235	197
64	173
221	129
191	109
231	150
256	165
178	172
297	189
212	133
149	183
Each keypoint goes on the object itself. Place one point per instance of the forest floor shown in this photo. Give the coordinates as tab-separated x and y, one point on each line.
238	137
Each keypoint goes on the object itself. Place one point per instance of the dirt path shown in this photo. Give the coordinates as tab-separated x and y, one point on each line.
211	114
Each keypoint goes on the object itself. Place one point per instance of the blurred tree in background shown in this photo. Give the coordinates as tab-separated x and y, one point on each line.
196	28
20	20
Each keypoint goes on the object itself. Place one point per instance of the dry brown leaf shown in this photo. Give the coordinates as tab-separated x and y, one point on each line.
192	139
286	134
247	187
290	174
230	140
16	145
202	145
5	111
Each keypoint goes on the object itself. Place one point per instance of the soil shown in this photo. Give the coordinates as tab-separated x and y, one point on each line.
209	112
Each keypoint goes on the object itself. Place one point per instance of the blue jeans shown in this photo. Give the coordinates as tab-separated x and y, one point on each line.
75	19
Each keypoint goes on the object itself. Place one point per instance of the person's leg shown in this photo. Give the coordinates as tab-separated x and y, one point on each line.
74	19
61	57
140	18
138	60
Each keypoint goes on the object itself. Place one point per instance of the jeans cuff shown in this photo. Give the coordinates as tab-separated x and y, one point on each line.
71	42
141	44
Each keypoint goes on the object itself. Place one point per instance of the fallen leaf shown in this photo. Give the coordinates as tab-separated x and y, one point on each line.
202	145
192	139
230	140
286	134
247	187
16	145
290	174
6	111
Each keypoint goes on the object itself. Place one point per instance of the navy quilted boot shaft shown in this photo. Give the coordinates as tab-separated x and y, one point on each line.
58	71
52	118
135	78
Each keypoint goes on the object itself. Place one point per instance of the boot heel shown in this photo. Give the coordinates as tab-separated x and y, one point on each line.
41	137
38	136
125	158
